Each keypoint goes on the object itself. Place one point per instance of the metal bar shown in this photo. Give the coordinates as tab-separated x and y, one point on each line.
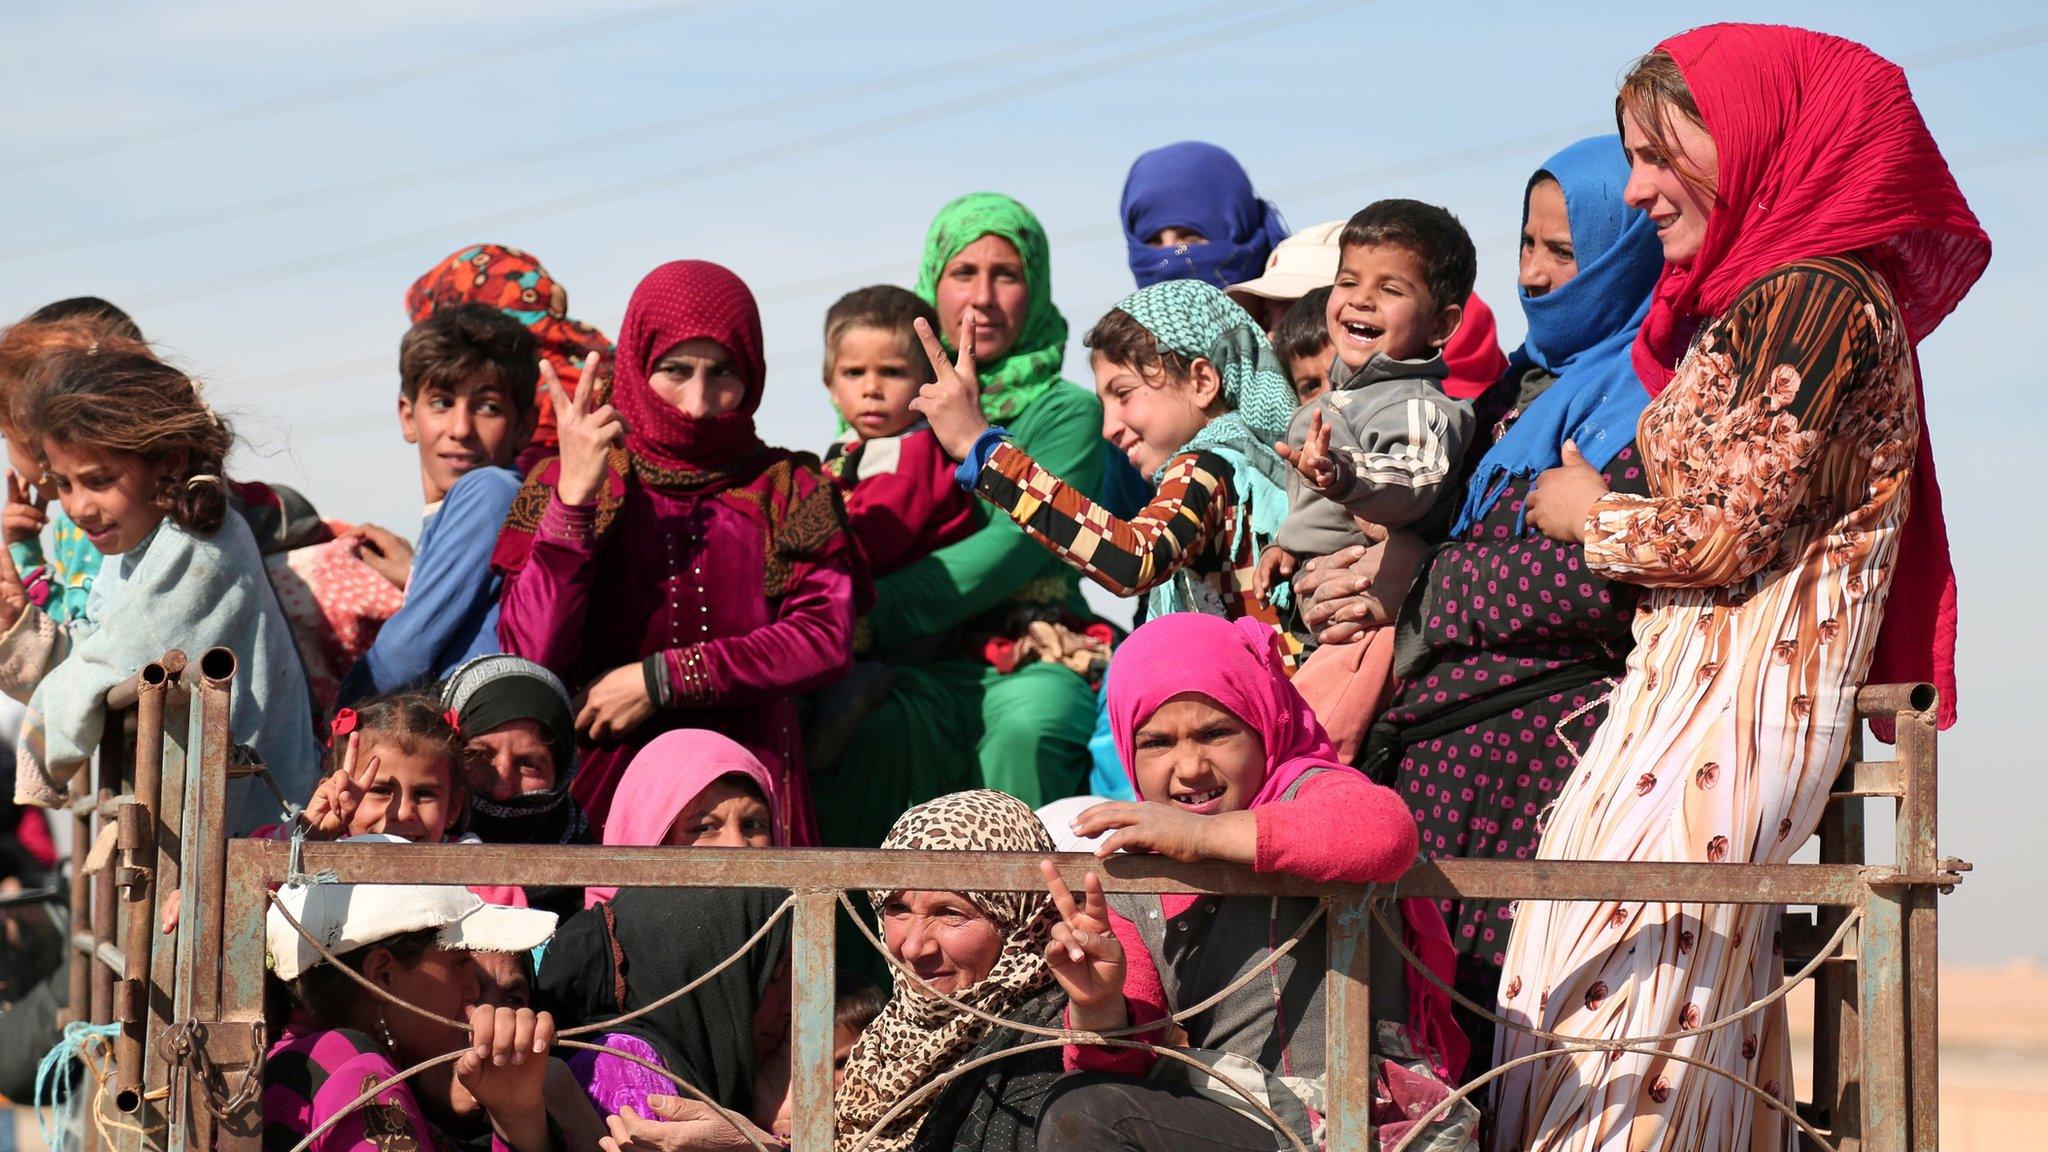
79	1004
209	848
1347	1069
1884	701
138	851
812	967
1882	1002
241	983
107	770
804	868
1837	1031
104	953
1871	778
170	840
1918	848
123	696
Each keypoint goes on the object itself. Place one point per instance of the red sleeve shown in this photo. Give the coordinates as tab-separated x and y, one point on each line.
912	510
1144	1000
1339	828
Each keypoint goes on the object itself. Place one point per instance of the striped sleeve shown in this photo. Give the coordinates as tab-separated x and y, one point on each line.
1125	556
1396	457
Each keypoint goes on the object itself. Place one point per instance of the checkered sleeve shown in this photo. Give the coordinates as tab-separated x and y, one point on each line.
1125	556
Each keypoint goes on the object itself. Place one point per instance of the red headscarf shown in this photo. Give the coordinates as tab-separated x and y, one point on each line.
1823	153
679	301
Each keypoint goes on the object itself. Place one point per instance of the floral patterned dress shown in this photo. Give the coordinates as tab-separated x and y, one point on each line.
1778	464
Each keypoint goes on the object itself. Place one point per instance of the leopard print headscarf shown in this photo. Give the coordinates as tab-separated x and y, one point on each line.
916	1037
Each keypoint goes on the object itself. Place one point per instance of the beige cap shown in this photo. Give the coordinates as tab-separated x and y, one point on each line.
346	917
1299	265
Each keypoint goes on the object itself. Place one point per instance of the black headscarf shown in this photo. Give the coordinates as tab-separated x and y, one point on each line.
648	942
491	691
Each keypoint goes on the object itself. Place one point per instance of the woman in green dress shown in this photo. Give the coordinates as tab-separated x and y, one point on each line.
955	721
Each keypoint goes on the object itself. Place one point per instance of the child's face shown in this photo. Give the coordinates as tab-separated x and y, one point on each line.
873	381
1381	304
413	794
698	379
1198	757
461	429
726	814
1148	418
510	760
501	982
110	496
1311	374
843	1040
24	461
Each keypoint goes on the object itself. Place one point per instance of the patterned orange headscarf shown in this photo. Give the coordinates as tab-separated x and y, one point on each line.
515	283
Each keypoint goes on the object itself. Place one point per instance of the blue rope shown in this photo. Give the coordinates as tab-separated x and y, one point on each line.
53	1079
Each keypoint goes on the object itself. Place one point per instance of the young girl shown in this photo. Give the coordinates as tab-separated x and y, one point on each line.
1192	393
669	566
60	578
693	788
1230	764
135	457
398	772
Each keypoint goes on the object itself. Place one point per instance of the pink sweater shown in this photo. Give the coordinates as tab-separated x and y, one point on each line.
1339	828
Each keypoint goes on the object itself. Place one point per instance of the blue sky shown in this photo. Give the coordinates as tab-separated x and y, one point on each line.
259	182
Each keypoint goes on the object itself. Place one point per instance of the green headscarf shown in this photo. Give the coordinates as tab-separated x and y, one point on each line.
1195	319
1031	367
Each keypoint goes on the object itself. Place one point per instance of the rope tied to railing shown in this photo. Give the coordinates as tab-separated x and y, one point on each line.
53	1076
295	874
184	1046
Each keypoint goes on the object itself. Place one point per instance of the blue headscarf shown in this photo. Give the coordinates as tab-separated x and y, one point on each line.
1581	332
1202	188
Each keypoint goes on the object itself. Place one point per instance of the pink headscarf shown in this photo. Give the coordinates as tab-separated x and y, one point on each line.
1237	665
664	778
1823	152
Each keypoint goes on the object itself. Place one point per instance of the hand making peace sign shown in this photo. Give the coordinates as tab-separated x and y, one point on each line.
1084	954
334	803
587	433
952	401
1313	459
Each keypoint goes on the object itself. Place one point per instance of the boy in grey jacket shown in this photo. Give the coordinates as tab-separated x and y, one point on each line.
1385	443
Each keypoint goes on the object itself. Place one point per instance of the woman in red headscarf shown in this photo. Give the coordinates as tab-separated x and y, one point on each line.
1790	547
671	568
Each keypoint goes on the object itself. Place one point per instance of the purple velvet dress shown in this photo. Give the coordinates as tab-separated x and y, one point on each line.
746	593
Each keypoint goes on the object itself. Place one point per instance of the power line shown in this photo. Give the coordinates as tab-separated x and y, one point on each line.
1257	24
171	223
342	89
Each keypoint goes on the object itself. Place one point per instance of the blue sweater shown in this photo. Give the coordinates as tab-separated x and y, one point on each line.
451	600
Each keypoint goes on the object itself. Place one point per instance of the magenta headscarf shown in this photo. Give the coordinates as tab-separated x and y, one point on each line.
664	777
1237	665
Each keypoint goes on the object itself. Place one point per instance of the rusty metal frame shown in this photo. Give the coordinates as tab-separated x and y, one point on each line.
1876	1061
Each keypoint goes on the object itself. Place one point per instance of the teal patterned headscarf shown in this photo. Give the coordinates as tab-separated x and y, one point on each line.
1195	319
1031	367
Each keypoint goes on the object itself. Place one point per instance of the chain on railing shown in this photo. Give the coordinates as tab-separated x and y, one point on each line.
148	807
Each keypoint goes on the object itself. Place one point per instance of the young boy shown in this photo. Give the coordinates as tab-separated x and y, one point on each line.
901	498
1385	443
1303	342
467	376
